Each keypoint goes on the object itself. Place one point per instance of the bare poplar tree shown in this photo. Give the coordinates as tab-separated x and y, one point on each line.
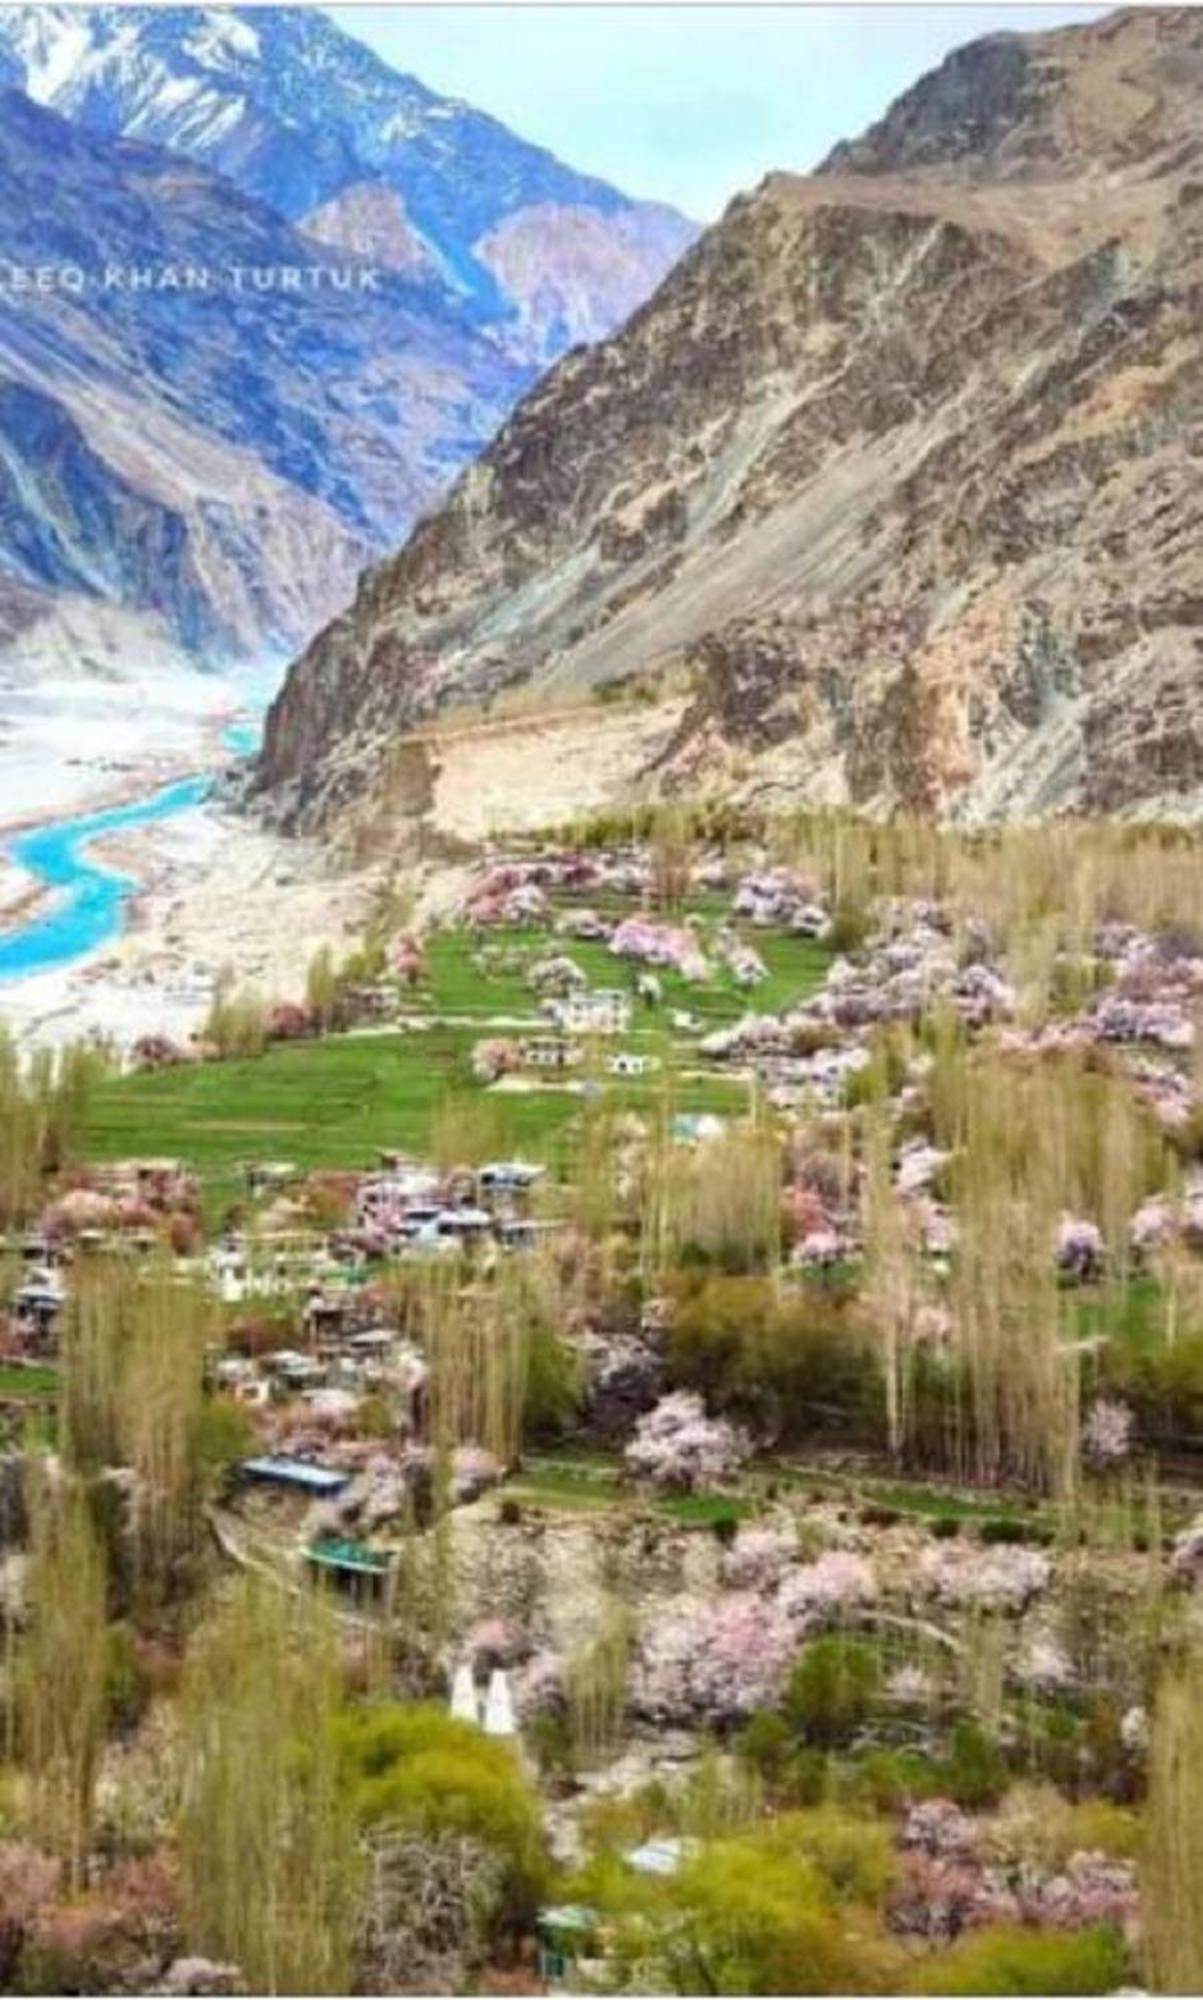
267	1850
1173	1878
61	1699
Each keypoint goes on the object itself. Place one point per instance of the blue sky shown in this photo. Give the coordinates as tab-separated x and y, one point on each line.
684	103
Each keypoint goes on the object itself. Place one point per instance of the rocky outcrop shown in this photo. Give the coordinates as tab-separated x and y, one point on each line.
1110	96
574	272
896	476
370	221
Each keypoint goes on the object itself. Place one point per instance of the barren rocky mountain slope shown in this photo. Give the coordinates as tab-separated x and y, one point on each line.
894	486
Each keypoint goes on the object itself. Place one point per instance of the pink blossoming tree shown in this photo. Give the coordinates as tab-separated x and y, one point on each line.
679	1449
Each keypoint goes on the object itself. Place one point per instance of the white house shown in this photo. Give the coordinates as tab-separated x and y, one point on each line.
549	1052
605	1010
628	1063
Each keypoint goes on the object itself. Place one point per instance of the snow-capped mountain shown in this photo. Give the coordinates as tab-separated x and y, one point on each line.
283	103
216	459
221	464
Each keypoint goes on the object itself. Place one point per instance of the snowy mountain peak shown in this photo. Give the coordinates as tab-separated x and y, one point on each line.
283	103
224	465
44	47
223	41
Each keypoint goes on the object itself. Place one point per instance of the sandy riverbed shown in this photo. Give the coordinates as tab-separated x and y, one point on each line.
214	890
73	745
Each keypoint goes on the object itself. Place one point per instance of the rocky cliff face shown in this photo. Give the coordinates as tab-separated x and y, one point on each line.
897	476
370	221
178	440
222	457
282	103
1113	96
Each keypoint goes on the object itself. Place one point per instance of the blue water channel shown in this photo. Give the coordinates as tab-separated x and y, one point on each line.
88	899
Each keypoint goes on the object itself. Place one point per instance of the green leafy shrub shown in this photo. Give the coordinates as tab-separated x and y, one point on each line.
883	1076
977	1774
766	1743
853	1853
745	1916
127	1684
808	1778
418	1767
773	1361
890	1780
552	1395
225	1436
1008	1529
1055	1743
1000	1528
1162	1382
849	928
376	1417
550	1741
831	1691
612	1824
1013	1961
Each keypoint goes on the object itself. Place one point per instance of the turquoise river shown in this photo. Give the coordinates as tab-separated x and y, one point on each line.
88	900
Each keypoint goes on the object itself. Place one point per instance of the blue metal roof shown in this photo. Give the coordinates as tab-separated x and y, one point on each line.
296	1472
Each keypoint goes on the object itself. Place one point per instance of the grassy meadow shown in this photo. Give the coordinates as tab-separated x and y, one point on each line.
335	1101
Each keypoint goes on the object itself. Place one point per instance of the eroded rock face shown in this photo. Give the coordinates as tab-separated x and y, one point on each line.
897	475
220	454
1016	107
370	221
219	461
554	1577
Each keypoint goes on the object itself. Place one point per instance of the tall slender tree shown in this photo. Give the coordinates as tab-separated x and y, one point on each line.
267	1852
1173	1881
61	1697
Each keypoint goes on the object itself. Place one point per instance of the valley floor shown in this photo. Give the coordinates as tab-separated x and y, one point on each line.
723	1310
70	742
212	890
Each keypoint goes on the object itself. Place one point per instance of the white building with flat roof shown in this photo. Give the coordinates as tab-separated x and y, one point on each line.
602	1010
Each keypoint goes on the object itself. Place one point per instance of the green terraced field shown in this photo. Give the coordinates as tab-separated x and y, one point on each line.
27	1384
323	1103
457	984
334	1102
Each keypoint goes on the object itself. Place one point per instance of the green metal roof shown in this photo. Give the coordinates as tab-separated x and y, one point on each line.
338	1552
